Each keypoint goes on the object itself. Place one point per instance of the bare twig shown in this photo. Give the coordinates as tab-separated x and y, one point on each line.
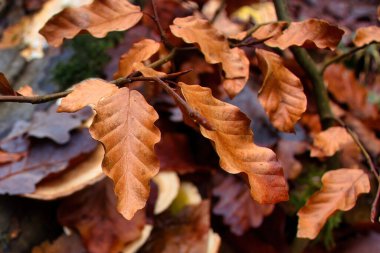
159	26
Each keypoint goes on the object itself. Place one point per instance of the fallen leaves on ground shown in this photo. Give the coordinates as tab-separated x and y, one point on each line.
93	213
366	35
63	244
97	18
281	93
235	204
339	192
328	142
233	141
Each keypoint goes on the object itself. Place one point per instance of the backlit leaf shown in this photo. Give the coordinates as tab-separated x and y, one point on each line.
328	142
98	18
339	192
124	123
366	35
282	93
233	141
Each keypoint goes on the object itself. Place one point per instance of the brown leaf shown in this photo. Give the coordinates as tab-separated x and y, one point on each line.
281	93
98	18
43	159
309	33
286	150
124	123
26	90
238	209
269	30
328	142
93	213
64	244
339	192
187	232
366	35
215	48
87	92
5	87
147	71
233	141
139	52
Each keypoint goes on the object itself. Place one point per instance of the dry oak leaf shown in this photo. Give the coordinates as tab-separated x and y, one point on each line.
340	189
124	124
87	92
233	141
238	209
328	142
366	35
269	30
281	93
97	18
215	48
314	33
139	52
5	87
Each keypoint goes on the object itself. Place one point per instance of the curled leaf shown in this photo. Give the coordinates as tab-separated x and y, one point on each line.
98	18
233	141
328	142
282	93
339	192
366	35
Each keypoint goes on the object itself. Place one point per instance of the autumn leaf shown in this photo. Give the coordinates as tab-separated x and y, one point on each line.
328	142
26	90
215	48
139	52
269	30
281	93
6	157
309	33
238	209
339	192
93	213
233	141
5	87
147	71
87	92
97	18
366	35
124	123
63	244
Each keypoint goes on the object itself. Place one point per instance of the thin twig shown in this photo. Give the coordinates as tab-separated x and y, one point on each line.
194	115
163	60
250	43
159	26
342	56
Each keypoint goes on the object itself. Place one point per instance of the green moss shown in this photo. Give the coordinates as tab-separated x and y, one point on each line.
88	59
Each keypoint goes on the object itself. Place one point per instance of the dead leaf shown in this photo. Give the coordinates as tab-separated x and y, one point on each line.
5	87
168	184
187	232
64	244
328	142
147	71
98	18
233	141
309	33
339	192
87	92
43	159
286	150
124	123
215	48
240	212
93	213
281	93
26	90
269	30
139	52
366	35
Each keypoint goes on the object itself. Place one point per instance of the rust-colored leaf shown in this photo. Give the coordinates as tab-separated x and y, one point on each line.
26	90
238	209
281	93
139	52
5	87
328	142
309	33
64	244
366	35
93	213
87	92
124	123
339	192
215	48
269	30
98	18
147	71
233	140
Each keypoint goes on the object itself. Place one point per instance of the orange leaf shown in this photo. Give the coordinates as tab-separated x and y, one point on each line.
5	87
124	123
147	71
87	92
233	141
312	32
269	30
215	48
339	192
282	93
140	51
366	35
26	90
327	142
98	18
